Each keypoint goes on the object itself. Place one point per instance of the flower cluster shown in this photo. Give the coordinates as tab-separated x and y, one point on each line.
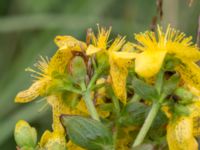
115	94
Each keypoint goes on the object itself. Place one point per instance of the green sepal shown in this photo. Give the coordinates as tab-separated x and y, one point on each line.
184	95
181	110
170	84
133	114
88	133
171	62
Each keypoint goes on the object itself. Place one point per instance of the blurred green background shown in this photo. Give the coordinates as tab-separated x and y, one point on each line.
27	30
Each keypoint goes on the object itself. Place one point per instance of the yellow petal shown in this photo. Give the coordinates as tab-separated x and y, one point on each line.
92	50
183	52
52	140
102	38
180	134
148	63
117	44
195	115
124	55
67	42
59	107
190	73
30	94
128	47
119	72
72	146
45	137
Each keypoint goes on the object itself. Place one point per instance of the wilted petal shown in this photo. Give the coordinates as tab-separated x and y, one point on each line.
30	94
52	140
180	134
119	72
195	115
68	42
148	63
190	73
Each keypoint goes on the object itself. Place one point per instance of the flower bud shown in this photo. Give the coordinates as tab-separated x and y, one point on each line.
25	135
27	148
184	94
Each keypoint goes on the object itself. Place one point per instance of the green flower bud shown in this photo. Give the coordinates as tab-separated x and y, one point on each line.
181	110
25	135
27	148
184	95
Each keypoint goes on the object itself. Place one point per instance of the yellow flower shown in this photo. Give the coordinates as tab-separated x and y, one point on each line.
58	64
45	80
119	60
180	134
153	50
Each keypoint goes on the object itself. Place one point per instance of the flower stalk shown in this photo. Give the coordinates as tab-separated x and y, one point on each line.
90	105
147	124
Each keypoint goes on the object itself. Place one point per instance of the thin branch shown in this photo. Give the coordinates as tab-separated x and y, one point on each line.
198	33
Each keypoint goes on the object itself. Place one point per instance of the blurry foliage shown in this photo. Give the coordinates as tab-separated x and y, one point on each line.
27	30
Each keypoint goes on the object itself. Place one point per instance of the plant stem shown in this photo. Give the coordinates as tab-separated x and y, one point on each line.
115	134
116	104
94	78
90	105
147	124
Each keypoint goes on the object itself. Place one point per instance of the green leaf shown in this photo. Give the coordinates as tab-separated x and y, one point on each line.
88	133
134	114
144	90
171	84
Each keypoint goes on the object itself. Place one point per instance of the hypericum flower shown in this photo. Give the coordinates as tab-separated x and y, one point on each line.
45	80
154	49
47	68
119	60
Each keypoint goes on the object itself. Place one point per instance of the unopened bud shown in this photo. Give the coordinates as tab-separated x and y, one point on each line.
184	94
25	135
